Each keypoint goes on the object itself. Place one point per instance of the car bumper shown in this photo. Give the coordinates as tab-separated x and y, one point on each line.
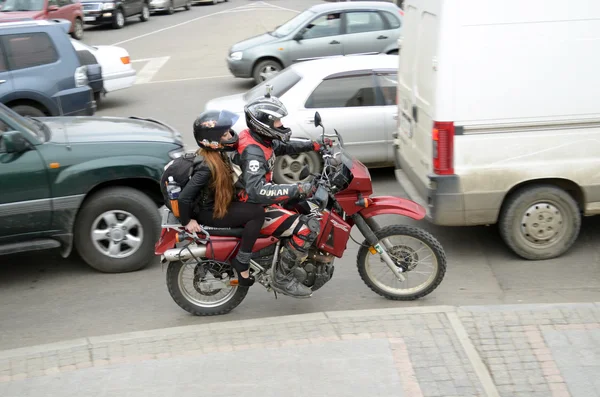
241	68
120	80
76	101
159	5
98	17
443	198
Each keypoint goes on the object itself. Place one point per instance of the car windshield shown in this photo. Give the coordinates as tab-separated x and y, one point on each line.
281	83
17	122
293	24
22	5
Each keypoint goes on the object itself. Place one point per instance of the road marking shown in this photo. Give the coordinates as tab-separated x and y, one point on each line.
190	21
152	67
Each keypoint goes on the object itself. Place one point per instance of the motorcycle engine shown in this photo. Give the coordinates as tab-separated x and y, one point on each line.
317	270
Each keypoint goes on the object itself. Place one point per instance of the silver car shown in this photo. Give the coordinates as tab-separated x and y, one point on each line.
355	95
324	30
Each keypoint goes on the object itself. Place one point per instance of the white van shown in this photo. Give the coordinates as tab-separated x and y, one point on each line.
499	116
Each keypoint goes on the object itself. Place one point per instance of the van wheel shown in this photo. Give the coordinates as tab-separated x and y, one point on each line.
116	229
26	110
540	222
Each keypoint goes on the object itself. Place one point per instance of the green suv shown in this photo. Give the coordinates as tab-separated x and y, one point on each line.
87	182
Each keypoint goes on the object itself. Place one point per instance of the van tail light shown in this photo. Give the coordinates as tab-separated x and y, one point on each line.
125	60
443	147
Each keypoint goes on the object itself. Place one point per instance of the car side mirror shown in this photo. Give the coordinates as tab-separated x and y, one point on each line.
53	8
318	119
13	142
298	36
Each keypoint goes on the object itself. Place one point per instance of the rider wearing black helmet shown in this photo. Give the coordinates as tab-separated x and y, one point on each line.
265	138
208	196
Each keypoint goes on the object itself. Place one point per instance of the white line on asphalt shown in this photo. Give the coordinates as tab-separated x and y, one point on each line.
145	75
185	23
283	8
478	365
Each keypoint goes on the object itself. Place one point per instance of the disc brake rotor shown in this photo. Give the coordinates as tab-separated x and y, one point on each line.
215	272
404	257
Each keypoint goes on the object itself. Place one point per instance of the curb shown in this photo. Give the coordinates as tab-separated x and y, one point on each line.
90	342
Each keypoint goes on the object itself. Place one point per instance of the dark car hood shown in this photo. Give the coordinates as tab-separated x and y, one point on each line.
109	129
253	42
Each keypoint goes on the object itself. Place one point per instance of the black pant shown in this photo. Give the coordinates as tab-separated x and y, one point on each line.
246	215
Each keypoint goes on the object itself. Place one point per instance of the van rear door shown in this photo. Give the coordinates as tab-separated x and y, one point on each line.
417	84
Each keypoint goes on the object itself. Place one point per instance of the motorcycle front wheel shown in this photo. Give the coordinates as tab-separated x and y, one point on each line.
204	289
416	252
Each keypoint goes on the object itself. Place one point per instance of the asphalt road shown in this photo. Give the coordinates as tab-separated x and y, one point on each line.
47	299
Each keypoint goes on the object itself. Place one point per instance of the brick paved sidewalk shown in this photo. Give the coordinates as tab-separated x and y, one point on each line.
518	350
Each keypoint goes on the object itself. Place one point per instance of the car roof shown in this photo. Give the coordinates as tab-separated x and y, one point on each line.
30	22
354	5
320	68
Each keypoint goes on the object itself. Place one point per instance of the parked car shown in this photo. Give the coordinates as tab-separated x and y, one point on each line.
90	183
93	69
499	119
355	94
71	10
169	6
322	30
40	72
117	70
115	13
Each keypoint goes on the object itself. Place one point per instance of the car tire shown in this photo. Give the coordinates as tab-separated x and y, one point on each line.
393	52
132	214
78	29
98	98
171	9
267	66
118	20
145	15
287	167
188	5
27	110
540	222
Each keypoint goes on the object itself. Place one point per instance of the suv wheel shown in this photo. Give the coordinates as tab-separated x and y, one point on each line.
78	29
116	230
145	13
118	19
26	110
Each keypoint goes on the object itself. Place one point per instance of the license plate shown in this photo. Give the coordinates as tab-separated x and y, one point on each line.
89	19
406	126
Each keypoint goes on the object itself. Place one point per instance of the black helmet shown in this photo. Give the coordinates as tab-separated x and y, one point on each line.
210	126
261	115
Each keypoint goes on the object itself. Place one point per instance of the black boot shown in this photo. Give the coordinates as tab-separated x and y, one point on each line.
242	267
284	277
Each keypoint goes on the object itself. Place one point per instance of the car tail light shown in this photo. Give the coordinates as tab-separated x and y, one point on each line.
401	13
81	78
443	148
125	60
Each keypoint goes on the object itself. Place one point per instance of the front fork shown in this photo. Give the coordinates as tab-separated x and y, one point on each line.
367	227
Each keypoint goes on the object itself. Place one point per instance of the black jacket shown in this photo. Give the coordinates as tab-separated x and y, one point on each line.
197	195
256	158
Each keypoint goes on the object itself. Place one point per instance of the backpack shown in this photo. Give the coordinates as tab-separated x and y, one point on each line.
181	169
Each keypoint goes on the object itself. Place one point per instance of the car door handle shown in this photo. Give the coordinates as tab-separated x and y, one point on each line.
334	42
310	121
382	37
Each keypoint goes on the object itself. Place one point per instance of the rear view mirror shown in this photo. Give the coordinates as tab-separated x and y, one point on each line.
298	36
317	119
13	142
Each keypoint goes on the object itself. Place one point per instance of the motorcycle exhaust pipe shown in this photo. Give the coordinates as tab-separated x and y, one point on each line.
185	253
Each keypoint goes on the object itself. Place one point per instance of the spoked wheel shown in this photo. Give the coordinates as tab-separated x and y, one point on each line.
415	251
204	289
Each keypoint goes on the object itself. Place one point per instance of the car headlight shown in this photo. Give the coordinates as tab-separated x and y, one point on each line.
236	56
176	153
108	6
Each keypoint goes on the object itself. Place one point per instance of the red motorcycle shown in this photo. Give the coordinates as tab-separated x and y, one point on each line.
201	280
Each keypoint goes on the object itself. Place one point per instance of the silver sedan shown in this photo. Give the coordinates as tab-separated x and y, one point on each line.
354	94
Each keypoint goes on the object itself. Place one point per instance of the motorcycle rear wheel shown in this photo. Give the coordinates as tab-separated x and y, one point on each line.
407	254
197	306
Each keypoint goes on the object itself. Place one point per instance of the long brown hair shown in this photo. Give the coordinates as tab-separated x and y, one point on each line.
222	183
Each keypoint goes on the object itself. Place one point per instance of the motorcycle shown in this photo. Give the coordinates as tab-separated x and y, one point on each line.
343	199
